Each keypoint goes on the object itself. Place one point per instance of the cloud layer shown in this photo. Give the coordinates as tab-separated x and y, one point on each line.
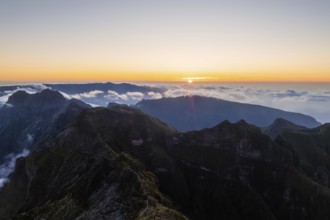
314	101
310	100
33	88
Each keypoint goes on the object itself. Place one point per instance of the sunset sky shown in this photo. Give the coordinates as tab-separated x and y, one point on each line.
165	40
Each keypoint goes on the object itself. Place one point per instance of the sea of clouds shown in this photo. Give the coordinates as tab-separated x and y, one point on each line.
313	100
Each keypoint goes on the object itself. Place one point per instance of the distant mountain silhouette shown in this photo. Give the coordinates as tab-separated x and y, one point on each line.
279	126
101	95
188	113
3	89
119	88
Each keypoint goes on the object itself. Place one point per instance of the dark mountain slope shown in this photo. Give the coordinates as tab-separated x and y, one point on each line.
311	148
85	173
230	171
195	112
27	120
235	172
279	126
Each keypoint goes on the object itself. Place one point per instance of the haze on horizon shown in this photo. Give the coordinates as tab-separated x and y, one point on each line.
147	40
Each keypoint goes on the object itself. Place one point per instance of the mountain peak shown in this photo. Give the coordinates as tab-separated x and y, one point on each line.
44	98
242	122
50	95
282	121
18	97
279	126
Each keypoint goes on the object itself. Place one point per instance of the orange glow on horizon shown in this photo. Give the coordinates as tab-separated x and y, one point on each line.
72	76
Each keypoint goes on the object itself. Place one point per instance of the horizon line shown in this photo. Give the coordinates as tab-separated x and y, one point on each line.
148	81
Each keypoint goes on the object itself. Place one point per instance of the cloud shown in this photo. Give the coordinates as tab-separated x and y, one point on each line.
290	93
131	97
135	96
9	165
125	98
31	89
87	95
153	95
114	96
65	95
311	101
319	98
314	102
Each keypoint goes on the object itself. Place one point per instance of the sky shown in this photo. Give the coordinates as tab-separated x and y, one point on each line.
165	40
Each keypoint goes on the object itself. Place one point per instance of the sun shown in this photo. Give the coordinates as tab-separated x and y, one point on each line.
190	81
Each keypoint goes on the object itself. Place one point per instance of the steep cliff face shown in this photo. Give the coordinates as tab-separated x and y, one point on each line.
118	163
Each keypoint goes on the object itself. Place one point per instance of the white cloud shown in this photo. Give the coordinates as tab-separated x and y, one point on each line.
9	165
135	96
87	95
114	96
65	95
125	98
153	95
313	102
31	89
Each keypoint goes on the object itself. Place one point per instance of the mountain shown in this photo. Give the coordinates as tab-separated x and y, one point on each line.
233	171
27	120
188	113
311	150
119	163
310	147
3	89
279	126
86	174
105	87
100	94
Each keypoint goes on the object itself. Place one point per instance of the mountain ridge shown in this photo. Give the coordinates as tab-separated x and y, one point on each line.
188	113
229	171
119	162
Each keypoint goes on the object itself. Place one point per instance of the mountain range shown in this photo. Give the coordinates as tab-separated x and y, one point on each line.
121	163
88	87
96	94
188	113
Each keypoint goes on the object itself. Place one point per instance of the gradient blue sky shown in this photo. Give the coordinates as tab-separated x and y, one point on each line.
245	40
